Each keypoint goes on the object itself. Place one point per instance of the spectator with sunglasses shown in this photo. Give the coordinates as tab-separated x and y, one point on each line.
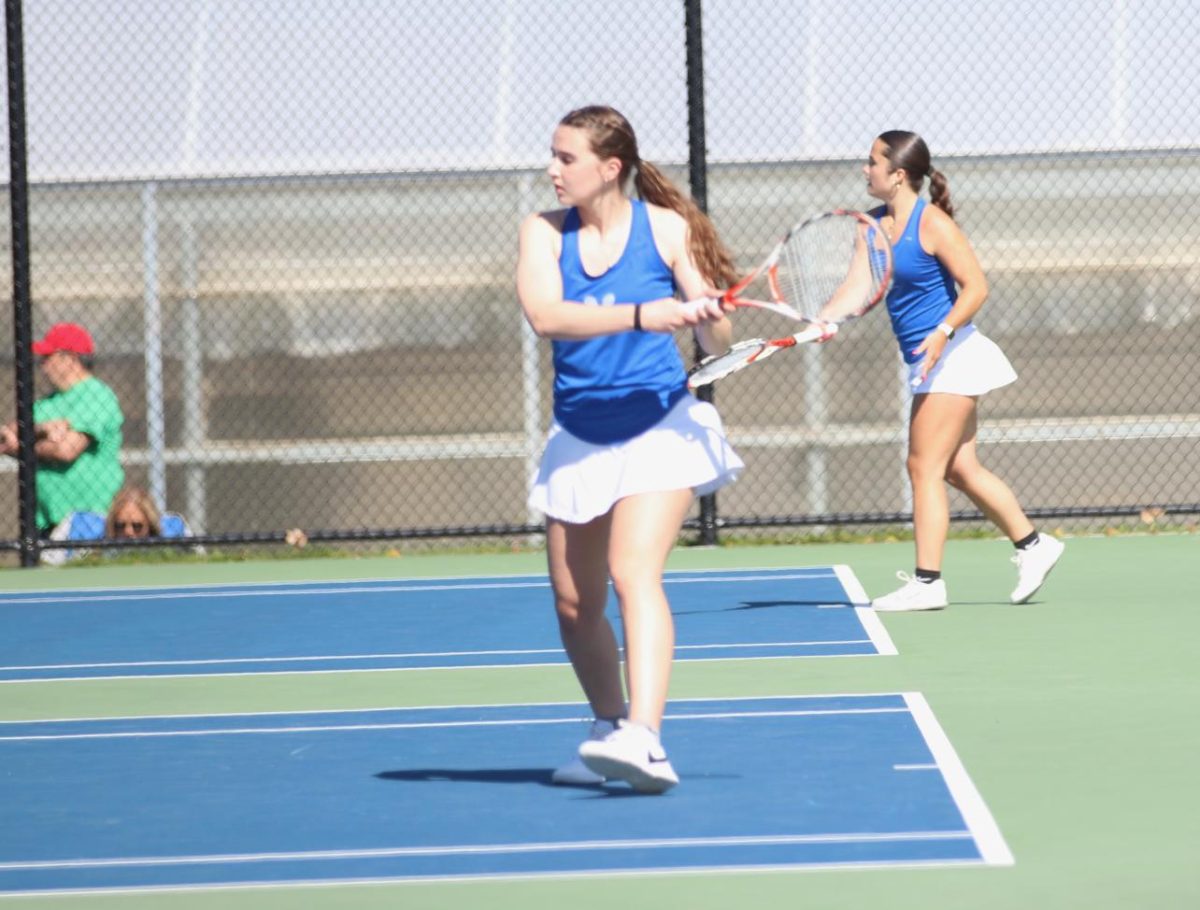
133	515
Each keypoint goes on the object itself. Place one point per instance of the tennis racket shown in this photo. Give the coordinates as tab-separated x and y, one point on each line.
825	271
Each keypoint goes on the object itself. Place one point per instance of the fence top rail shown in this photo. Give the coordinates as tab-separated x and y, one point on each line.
522	169
519	445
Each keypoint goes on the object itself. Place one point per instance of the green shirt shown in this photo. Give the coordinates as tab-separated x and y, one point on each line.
89	483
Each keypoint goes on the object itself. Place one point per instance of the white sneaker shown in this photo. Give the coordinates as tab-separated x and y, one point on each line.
1034	564
915	595
631	753
575	773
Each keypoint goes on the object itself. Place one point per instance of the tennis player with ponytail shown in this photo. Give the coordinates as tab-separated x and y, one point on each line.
605	278
937	289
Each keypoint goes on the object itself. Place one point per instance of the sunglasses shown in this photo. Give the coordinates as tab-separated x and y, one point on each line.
133	527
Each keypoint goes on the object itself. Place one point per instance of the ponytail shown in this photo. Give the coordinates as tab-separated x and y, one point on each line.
611	136
939	191
710	255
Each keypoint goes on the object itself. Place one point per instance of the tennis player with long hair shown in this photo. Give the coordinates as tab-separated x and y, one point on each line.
937	289
629	447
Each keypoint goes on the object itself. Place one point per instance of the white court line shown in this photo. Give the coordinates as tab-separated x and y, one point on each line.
226	661
862	606
585	712
288	586
124	597
429	725
966	796
483	849
875	630
853	587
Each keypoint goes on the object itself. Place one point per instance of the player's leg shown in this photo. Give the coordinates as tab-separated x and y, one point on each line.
1036	553
577	556
935	429
990	494
935	434
645	528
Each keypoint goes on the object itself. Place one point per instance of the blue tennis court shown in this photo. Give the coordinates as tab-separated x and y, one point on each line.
420	793
410	624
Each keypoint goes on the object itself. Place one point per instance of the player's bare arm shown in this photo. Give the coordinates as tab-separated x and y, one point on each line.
540	291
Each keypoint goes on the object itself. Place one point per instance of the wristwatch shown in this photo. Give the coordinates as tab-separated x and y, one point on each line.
946	329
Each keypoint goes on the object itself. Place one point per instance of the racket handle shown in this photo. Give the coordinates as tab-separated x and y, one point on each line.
821	331
692	307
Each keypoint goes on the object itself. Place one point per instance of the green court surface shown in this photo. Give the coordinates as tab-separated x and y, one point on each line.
1077	717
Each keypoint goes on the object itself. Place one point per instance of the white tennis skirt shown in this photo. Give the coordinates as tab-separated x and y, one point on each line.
971	364
578	481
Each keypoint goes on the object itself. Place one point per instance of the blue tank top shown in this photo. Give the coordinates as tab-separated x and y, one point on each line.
922	292
614	387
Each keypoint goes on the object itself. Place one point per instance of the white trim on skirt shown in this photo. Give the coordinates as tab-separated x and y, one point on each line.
971	364
578	481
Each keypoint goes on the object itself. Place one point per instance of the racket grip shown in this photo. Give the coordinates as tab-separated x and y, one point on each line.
692	307
820	331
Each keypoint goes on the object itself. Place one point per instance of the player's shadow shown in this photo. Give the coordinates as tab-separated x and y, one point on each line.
763	605
472	775
540	776
768	604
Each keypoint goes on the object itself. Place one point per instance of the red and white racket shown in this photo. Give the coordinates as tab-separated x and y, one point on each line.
826	270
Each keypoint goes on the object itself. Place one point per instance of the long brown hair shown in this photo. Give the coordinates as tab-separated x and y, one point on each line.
145	503
611	136
909	152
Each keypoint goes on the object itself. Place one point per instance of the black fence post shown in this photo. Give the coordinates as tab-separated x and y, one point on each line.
22	306
698	184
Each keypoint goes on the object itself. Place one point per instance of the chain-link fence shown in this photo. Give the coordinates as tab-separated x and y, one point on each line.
290	228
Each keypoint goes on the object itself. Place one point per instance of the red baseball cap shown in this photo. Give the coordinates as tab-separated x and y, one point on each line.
65	336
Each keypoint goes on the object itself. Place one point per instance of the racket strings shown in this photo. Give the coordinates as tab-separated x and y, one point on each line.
817	261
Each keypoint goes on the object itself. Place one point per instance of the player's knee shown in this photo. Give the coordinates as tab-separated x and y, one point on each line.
629	581
573	614
957	479
962	477
922	468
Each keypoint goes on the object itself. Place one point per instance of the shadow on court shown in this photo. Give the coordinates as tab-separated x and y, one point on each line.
761	605
540	776
472	775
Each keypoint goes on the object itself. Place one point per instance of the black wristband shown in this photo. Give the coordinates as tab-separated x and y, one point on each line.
637	317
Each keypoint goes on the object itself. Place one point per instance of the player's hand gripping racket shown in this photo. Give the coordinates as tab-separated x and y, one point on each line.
825	271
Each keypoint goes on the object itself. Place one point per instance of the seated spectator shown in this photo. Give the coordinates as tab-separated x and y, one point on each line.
77	431
132	516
